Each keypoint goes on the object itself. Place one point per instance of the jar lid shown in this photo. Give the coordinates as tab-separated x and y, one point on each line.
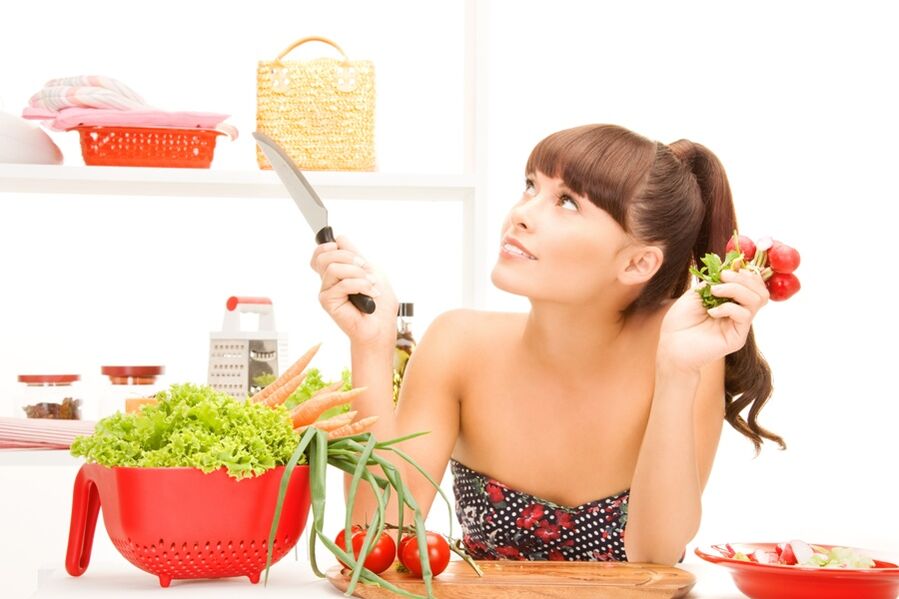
132	370
48	379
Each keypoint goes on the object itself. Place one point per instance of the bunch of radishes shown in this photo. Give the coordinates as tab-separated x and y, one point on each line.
774	260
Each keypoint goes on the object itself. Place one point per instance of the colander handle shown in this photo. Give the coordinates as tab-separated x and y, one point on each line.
85	508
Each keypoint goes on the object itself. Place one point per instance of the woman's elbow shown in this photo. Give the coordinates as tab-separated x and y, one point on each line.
658	556
665	552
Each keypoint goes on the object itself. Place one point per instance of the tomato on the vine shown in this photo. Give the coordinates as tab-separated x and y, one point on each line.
438	552
381	554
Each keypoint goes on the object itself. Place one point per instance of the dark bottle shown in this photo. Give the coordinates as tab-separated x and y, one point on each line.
405	345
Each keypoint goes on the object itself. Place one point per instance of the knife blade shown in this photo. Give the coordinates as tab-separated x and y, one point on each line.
307	201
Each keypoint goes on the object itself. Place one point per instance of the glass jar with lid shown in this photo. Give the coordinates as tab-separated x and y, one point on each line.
131	387
53	396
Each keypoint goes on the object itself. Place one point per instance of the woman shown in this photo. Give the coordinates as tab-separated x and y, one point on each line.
616	383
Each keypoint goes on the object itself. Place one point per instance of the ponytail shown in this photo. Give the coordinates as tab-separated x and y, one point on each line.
747	378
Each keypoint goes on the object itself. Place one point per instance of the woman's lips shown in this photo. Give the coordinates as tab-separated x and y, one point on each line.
513	249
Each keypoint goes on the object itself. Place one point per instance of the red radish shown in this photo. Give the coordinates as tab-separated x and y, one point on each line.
801	551
746	246
782	258
763	557
786	555
782	286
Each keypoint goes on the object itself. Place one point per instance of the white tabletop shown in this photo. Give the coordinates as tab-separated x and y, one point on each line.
287	579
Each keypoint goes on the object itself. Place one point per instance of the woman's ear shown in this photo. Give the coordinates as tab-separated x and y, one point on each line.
642	263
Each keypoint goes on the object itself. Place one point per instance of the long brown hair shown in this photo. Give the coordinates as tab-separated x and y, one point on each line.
676	197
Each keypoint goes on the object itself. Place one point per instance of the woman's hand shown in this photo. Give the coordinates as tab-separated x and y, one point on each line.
692	336
343	272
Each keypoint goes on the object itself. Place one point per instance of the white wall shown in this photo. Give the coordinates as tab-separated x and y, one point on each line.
796	99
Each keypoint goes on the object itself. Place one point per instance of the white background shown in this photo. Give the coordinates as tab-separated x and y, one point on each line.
798	101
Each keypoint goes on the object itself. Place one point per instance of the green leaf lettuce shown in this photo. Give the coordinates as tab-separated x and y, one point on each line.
193	426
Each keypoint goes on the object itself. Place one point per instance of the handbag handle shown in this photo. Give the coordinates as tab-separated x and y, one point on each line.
346	59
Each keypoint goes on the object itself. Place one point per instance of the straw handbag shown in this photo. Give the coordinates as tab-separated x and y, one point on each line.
321	111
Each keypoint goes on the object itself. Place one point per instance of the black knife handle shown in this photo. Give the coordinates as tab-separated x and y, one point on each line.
363	303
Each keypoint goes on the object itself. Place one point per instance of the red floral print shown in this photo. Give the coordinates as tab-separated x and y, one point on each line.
530	516
494	492
547	532
564	520
509	552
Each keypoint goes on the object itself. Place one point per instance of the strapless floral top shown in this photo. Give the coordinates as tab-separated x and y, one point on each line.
499	522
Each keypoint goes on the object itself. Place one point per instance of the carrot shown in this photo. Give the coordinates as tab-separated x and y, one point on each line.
309	411
328	389
284	391
352	429
331	423
289	374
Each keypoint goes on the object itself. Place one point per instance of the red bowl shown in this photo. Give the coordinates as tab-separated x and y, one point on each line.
182	523
776	581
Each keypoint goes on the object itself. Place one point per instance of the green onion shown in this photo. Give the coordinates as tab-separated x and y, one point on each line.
355	455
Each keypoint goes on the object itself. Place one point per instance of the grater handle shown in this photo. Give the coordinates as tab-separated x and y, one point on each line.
237	305
85	508
249	304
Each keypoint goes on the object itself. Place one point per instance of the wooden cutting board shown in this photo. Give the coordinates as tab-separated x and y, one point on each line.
526	580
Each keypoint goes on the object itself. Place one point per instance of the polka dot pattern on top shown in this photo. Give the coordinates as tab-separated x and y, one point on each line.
501	523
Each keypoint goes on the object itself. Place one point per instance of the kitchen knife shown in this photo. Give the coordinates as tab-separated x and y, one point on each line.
308	201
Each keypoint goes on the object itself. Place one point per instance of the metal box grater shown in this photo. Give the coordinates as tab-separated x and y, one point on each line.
237	356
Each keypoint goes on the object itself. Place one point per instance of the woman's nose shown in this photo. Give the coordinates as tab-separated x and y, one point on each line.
523	213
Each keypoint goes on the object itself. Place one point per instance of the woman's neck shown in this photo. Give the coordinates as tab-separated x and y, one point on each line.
574	341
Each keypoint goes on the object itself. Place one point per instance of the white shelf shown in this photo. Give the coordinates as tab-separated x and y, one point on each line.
174	182
38	457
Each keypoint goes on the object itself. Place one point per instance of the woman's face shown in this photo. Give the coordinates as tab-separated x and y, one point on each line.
558	246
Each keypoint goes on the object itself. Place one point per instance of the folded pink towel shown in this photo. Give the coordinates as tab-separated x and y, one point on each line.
39	432
95	91
69	118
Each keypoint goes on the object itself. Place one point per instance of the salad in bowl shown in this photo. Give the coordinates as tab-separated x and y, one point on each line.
801	570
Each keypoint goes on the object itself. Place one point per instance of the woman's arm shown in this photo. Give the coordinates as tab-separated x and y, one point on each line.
429	401
429	396
674	463
686	416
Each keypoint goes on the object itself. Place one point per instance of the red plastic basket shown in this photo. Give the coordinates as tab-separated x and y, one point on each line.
181	523
145	146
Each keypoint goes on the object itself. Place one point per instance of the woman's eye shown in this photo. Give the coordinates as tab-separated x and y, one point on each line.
529	187
568	203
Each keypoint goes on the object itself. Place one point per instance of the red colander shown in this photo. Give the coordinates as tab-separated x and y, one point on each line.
182	523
